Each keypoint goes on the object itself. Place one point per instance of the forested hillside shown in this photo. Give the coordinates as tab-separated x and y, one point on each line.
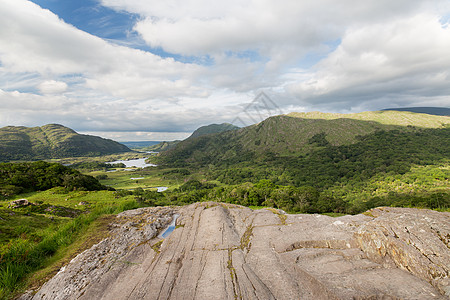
295	135
52	141
342	164
212	128
16	178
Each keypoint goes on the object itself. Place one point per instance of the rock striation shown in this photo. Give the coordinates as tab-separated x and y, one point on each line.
223	251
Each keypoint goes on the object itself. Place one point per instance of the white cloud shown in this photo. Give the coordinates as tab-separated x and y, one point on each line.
206	27
309	55
52	47
118	115
394	60
52	87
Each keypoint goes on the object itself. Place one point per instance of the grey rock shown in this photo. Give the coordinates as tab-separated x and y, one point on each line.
223	251
19	203
412	239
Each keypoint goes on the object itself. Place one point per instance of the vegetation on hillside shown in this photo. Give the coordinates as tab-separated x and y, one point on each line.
438	111
52	141
212	128
160	147
349	171
201	131
16	178
290	135
57	227
385	117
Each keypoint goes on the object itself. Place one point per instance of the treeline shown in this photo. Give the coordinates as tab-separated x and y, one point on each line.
16	178
305	199
95	166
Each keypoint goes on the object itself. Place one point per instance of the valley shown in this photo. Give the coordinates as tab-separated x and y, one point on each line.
238	150
311	163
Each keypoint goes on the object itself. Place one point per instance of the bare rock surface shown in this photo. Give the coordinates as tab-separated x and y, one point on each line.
223	251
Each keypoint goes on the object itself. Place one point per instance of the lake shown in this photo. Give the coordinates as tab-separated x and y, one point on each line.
138	163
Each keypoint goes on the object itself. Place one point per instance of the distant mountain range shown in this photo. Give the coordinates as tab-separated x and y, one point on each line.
295	134
285	135
140	144
58	141
438	111
52	141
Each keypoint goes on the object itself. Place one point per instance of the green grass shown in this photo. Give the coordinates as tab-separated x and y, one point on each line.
102	158
93	234
397	118
72	199
152	178
256	207
334	215
34	239
123	179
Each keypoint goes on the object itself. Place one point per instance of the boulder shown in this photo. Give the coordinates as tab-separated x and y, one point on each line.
19	203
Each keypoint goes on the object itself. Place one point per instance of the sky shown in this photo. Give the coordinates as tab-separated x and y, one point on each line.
138	70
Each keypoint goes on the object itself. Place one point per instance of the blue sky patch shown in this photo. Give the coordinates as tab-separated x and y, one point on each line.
114	26
90	16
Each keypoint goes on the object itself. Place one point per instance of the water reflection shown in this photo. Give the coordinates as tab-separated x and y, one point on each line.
171	227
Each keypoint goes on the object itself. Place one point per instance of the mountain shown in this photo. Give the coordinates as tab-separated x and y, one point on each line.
438	111
353	161
296	134
52	141
213	128
161	146
201	131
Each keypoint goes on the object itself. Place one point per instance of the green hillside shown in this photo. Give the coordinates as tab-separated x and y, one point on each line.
296	134
52	141
388	117
350	162
213	128
201	131
160	147
438	111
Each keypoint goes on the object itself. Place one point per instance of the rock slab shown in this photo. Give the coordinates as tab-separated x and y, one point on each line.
223	251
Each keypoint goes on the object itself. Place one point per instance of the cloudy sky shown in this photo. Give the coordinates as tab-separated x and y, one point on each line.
157	70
